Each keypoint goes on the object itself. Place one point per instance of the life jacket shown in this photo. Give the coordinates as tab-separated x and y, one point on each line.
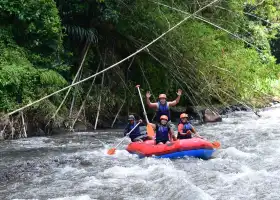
135	133
162	133
186	127
163	110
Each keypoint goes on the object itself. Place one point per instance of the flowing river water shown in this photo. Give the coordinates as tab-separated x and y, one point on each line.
76	167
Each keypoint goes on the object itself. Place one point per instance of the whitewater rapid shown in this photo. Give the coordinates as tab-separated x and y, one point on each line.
76	166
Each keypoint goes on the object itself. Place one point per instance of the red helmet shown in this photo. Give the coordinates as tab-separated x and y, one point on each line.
184	115
162	96
163	117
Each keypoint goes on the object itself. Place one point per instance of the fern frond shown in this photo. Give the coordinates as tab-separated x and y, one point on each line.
50	77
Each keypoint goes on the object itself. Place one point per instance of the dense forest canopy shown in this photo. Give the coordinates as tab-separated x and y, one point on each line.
226	53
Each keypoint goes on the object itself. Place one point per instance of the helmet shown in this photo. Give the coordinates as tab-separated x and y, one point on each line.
162	96
163	117
184	115
131	117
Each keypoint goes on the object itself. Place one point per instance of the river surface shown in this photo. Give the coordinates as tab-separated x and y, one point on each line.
76	167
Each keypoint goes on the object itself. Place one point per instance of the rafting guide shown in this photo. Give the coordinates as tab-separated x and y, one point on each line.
163	106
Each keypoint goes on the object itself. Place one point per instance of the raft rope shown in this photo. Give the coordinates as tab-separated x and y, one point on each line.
121	61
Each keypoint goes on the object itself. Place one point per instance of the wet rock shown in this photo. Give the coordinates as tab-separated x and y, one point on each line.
210	116
39	132
85	163
80	126
198	115
275	100
233	108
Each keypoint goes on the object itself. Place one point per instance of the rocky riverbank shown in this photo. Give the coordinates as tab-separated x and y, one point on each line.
13	128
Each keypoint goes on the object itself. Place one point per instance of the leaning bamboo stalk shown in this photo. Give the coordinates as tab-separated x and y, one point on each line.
12	128
84	102
2	132
74	96
85	120
74	80
102	81
148	86
118	113
100	98
23	124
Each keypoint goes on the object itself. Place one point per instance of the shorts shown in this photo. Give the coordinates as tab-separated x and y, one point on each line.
163	141
181	137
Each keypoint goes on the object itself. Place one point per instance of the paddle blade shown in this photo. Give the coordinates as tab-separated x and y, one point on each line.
111	151
216	144
150	130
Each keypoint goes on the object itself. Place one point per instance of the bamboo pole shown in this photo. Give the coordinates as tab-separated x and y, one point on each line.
112	66
12	128
84	102
2	132
74	80
118	113
100	98
23	124
74	96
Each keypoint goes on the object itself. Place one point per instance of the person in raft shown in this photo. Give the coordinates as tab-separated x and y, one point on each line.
185	129
135	135
162	106
164	132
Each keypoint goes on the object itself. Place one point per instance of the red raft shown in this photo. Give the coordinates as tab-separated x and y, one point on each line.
194	147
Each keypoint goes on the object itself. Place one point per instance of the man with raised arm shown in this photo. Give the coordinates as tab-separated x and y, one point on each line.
162	106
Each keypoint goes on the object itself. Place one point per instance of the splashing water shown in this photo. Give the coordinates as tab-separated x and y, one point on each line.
76	166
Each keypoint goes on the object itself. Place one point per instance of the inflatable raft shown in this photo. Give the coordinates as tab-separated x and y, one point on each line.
194	147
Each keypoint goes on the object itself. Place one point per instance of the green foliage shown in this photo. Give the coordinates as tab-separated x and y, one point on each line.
43	42
207	62
20	81
35	24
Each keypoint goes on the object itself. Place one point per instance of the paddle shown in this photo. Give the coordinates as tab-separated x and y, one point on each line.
113	150
150	130
216	144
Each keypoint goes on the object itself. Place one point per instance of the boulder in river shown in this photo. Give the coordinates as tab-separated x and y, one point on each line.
211	116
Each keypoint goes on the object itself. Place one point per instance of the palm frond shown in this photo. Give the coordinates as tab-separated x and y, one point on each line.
81	33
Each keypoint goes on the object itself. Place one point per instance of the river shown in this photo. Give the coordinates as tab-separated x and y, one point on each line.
76	167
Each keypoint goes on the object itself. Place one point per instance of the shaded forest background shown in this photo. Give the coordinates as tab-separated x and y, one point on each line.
224	55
